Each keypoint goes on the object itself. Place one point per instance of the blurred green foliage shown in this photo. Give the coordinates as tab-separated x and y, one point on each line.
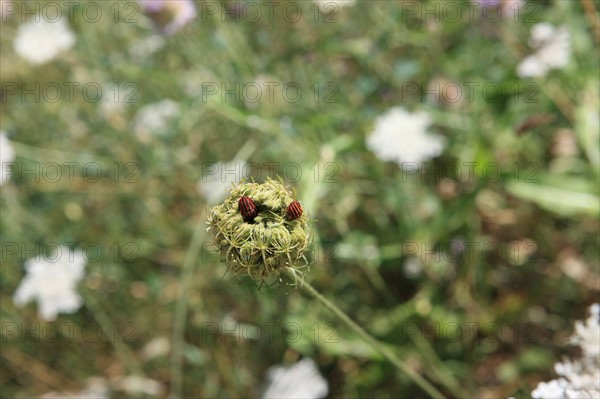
385	240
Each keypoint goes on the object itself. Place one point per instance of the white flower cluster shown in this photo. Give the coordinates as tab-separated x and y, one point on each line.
402	137
579	378
7	155
552	50
52	281
39	41
302	380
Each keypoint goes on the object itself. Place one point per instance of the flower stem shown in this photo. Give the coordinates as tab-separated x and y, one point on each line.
422	382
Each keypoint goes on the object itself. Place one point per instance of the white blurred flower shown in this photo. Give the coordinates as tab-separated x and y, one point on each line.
7	155
587	335
302	380
155	118
52	281
328	6
95	388
551	389
579	378
413	267
169	15
215	184
41	41
552	50
402	137
157	347
144	48
134	384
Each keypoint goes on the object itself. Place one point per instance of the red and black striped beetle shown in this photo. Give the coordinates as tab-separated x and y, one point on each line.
294	210
247	208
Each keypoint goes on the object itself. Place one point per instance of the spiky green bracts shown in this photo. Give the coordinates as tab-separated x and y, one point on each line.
260	247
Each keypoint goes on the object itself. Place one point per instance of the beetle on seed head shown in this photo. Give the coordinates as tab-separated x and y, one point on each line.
294	210
247	208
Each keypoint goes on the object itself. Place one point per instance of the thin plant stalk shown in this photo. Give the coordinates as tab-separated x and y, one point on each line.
389	355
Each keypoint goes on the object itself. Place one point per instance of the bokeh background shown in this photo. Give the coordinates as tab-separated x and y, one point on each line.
471	273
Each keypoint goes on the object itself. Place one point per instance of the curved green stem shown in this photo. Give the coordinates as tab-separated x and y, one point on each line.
389	355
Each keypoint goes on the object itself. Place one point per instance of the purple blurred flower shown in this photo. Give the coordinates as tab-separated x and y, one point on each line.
169	15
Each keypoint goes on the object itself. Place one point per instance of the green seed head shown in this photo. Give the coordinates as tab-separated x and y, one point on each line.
261	247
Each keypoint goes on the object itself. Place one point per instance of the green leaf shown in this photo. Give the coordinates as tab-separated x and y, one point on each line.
564	195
